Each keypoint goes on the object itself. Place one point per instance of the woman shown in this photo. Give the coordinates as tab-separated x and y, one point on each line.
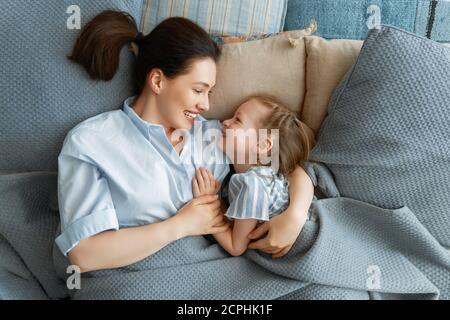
126	168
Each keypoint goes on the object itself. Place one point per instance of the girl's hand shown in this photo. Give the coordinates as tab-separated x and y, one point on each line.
201	216
204	183
282	231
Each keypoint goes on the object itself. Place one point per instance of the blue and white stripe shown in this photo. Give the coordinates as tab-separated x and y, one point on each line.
259	194
219	17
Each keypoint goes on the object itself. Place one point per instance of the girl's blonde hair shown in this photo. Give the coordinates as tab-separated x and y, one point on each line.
295	138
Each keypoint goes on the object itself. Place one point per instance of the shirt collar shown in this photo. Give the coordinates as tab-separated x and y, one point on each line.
143	126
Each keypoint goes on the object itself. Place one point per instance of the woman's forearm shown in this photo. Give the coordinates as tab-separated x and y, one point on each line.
113	249
301	192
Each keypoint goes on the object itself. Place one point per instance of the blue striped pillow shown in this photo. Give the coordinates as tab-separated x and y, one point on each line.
219	17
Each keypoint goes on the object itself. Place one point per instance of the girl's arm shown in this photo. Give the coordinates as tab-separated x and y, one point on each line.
282	230
235	240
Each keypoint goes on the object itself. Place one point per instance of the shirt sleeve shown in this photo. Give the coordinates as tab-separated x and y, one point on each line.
84	198
249	199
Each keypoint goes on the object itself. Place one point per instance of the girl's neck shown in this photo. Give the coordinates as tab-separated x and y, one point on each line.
241	168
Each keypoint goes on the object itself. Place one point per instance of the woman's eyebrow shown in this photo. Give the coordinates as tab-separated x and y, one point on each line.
203	84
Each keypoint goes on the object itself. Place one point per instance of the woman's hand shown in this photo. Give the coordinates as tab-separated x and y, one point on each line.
204	183
282	231
200	216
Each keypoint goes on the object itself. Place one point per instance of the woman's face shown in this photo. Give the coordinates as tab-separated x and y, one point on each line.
184	97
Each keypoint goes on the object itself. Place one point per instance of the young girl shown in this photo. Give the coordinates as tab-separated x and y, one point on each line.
258	190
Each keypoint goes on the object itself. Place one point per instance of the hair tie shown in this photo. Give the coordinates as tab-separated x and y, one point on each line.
139	37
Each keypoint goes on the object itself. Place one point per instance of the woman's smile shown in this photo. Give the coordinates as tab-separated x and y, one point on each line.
190	115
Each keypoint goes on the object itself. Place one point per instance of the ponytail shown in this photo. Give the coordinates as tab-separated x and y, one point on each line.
98	46
171	46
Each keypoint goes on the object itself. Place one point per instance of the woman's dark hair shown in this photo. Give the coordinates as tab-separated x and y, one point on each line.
171	46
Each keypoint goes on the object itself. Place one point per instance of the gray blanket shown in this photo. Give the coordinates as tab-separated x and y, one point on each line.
348	249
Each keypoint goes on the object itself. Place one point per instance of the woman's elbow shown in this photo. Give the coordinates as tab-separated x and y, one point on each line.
77	257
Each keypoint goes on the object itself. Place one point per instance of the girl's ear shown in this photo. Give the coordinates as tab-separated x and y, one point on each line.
265	145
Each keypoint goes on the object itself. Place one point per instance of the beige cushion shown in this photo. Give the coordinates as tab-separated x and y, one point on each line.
274	65
326	64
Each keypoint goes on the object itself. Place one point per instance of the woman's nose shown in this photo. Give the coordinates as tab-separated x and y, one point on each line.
204	105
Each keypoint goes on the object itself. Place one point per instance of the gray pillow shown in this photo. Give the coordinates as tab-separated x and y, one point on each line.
43	94
386	138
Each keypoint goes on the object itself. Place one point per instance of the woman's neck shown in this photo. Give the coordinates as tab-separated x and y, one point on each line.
145	107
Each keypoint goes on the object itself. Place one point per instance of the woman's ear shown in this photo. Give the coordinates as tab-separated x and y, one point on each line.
155	80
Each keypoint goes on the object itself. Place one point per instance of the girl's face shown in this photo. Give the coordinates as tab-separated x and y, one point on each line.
182	99
240	133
